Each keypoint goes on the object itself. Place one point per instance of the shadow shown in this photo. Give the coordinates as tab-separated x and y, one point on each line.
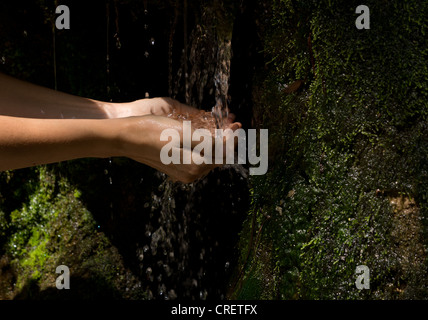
198	224
80	289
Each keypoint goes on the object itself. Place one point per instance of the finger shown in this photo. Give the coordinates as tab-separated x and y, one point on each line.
183	108
159	106
234	126
166	105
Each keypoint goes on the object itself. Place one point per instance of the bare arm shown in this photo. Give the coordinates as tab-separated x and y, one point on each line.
41	126
27	142
23	99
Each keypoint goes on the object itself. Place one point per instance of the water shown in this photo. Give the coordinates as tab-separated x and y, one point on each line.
181	241
202	119
188	251
221	80
200	76
189	246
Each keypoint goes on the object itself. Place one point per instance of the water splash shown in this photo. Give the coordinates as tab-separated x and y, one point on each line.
202	75
202	119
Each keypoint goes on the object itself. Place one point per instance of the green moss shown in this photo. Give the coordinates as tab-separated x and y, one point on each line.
37	257
342	144
251	288
54	228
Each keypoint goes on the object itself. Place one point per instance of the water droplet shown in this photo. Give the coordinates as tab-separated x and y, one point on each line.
152	41
118	44
172	295
167	270
203	294
194	282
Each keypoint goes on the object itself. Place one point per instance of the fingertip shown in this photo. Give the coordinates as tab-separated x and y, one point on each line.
236	126
233	127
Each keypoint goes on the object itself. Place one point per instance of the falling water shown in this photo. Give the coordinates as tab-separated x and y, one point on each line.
182	243
184	254
204	70
109	169
221	80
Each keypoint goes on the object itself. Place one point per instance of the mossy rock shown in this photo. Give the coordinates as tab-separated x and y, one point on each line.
347	117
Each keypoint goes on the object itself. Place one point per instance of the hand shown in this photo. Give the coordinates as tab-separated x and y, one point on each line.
140	141
153	106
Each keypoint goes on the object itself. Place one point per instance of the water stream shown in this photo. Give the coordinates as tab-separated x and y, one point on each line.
193	228
182	243
221	80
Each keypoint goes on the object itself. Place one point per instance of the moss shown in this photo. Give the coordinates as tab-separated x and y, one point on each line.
346	112
53	229
251	288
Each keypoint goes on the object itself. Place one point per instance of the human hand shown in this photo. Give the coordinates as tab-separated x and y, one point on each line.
154	106
157	106
139	139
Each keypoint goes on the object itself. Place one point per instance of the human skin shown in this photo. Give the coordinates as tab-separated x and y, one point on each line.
40	126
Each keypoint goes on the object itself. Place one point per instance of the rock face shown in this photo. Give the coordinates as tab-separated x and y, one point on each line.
348	138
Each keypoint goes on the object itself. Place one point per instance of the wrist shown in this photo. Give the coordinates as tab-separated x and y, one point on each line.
108	108
136	137
108	136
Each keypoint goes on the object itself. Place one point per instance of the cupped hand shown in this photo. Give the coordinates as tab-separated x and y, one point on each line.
140	140
156	106
153	106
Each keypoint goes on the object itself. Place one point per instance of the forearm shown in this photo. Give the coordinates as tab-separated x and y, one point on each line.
22	99
27	142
